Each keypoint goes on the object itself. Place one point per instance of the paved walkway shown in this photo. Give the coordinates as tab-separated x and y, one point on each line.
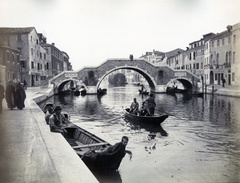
233	91
29	152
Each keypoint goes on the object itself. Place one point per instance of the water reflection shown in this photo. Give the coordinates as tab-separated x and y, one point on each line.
108	177
205	129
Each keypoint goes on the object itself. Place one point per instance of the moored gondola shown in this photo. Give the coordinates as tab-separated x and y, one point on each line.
90	149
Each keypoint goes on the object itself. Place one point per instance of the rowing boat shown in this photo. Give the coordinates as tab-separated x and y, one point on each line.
156	119
90	149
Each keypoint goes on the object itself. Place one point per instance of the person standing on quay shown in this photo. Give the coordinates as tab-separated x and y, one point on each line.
10	95
20	96
1	95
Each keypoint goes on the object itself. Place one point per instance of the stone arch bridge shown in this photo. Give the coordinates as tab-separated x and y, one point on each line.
156	76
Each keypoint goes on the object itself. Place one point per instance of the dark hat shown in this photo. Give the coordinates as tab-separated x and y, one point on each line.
57	108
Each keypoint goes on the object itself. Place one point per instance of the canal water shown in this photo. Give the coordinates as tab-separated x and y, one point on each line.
202	142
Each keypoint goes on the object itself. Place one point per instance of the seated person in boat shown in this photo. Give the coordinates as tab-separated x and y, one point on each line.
120	146
143	111
58	122
134	107
48	113
150	104
109	158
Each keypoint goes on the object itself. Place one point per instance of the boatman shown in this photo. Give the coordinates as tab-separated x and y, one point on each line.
150	104
134	107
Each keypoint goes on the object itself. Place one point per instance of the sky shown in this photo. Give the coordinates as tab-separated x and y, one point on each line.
92	31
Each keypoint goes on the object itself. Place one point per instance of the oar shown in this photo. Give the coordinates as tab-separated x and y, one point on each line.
114	118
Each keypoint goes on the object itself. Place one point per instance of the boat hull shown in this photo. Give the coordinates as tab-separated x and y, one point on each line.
155	120
90	147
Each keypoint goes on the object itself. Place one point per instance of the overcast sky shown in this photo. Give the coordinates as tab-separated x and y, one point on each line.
91	31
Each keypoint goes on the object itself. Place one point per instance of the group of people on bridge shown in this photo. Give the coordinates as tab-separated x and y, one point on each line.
147	109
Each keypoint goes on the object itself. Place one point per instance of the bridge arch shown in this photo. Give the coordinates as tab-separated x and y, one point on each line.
150	80
61	85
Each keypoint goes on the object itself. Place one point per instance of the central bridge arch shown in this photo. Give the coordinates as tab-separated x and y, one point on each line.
150	80
156	76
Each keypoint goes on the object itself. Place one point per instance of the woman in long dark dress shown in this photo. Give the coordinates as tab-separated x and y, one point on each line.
10	95
20	96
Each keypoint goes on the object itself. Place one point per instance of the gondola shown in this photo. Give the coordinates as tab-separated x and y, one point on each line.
197	94
142	92
90	149
155	120
175	90
102	91
47	105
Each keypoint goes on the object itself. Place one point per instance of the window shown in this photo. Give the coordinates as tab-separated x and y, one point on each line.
197	66
218	42
226	57
230	57
233	57
38	66
222	41
40	55
217	58
8	57
13	57
32	64
44	56
18	58
212	43
216	76
23	64
47	66
233	76
19	37
37	41
31	51
229	39
234	38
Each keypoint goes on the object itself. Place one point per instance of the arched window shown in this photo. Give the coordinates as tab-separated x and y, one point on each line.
211	59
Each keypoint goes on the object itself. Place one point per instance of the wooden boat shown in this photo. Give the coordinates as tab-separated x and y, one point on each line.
197	94
83	91
175	90
143	92
47	105
76	92
90	148
101	91
155	120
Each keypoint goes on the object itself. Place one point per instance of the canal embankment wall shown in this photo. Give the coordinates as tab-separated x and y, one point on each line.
69	166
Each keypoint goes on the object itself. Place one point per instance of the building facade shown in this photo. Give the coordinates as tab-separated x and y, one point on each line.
213	57
9	64
39	61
